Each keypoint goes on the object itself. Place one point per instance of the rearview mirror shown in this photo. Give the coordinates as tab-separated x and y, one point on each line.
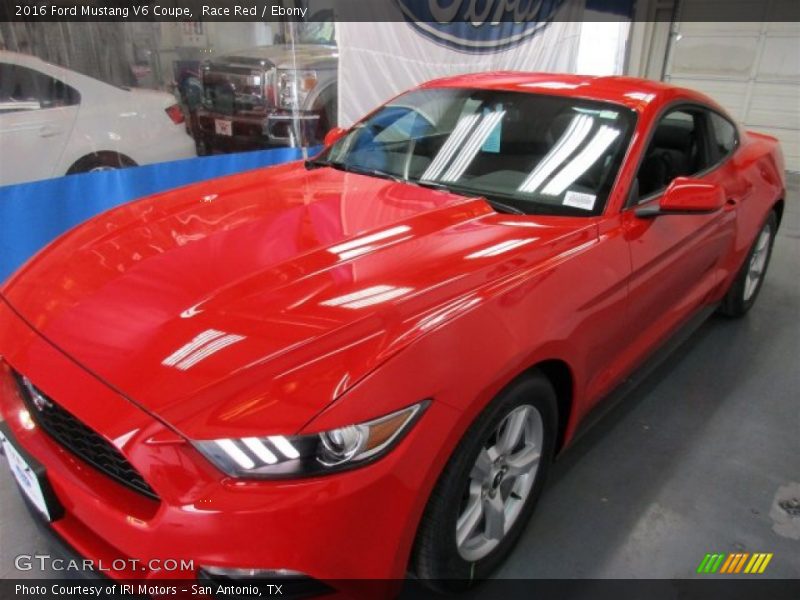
686	196
334	135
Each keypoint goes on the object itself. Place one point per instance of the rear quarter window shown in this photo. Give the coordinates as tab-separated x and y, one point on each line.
725	136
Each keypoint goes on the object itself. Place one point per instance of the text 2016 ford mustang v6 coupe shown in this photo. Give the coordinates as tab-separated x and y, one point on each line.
363	364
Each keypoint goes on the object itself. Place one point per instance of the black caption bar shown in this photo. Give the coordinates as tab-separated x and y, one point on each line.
473	12
508	589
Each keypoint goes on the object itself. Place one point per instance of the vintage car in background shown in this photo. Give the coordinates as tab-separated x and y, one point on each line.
267	96
54	121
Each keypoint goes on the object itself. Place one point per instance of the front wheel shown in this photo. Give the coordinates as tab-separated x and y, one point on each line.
489	487
745	288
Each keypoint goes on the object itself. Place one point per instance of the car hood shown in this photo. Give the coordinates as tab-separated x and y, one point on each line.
245	305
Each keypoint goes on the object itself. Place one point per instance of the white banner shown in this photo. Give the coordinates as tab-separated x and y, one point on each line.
378	60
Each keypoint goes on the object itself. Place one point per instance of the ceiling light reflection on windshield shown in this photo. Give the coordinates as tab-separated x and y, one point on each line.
450	146
577	130
473	145
604	137
500	248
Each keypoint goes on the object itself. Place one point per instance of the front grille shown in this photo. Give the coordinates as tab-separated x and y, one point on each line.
233	93
81	440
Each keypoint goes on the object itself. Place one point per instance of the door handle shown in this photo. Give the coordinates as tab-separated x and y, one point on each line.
46	131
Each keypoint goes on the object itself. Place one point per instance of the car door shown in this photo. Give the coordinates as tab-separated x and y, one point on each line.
675	259
37	114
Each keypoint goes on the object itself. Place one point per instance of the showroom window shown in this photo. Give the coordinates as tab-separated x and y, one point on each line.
678	148
22	88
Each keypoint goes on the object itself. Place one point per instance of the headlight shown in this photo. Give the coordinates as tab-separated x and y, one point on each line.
277	456
294	87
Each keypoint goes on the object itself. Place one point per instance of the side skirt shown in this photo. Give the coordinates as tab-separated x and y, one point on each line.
637	377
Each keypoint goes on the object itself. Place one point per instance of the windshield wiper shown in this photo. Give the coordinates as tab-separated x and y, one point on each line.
503	207
496	204
372	172
316	164
436	185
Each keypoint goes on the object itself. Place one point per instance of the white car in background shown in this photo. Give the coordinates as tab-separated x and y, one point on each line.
55	122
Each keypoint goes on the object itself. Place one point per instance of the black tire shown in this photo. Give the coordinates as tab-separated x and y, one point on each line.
737	302
100	161
436	559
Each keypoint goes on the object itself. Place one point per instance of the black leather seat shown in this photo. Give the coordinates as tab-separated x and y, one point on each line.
673	153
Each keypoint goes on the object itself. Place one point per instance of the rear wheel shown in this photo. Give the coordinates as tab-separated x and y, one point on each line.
100	161
745	288
489	488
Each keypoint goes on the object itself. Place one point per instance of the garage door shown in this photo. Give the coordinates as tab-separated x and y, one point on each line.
752	68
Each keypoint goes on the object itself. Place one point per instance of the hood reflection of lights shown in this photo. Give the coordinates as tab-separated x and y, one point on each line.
500	248
200	348
447	313
368	296
362	244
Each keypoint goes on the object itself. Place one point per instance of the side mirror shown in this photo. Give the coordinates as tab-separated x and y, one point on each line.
686	196
334	135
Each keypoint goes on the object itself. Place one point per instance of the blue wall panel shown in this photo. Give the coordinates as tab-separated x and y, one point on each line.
33	214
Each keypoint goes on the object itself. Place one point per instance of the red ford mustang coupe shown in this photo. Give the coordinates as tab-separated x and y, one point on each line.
363	364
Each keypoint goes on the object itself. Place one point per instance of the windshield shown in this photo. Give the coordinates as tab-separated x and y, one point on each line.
533	153
318	31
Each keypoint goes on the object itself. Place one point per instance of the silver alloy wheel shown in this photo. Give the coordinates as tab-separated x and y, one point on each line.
500	482
758	263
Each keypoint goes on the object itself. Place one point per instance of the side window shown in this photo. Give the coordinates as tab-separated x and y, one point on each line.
678	148
725	136
22	88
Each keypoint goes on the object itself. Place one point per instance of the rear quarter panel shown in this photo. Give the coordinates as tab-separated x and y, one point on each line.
758	168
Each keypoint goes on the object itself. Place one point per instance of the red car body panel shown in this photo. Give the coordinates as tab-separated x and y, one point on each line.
280	258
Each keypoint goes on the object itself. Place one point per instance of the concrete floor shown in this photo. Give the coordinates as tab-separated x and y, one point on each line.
691	462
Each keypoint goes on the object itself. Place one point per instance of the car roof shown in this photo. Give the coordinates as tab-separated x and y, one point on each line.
18	58
637	94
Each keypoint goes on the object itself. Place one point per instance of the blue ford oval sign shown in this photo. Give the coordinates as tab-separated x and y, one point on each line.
478	25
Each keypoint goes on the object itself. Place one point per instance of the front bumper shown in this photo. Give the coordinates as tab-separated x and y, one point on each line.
350	526
257	130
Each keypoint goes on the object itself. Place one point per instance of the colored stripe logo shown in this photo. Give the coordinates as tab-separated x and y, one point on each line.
737	562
